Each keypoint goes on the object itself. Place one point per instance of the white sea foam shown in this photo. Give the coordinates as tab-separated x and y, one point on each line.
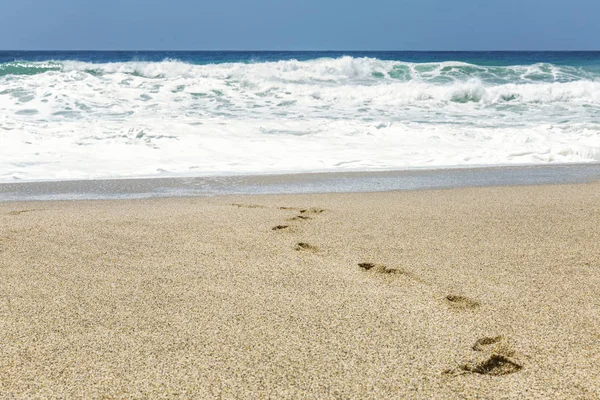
74	120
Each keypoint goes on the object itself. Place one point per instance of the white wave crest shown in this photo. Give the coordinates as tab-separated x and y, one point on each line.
339	70
85	120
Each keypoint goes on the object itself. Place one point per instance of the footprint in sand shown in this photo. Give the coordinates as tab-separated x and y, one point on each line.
312	210
304	215
495	365
379	268
302	246
483	343
462	303
299	218
19	212
248	205
385	270
494	356
304	212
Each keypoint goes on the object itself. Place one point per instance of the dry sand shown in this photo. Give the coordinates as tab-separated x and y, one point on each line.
463	293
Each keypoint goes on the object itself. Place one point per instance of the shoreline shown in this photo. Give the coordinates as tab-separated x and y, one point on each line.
327	182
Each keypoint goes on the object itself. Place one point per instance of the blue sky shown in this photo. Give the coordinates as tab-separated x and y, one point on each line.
299	24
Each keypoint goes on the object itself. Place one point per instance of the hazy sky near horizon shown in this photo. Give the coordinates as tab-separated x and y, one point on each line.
299	25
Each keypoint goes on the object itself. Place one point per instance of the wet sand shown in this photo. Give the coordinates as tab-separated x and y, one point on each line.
324	182
458	293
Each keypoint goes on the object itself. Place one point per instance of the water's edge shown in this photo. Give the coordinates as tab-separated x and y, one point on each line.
336	182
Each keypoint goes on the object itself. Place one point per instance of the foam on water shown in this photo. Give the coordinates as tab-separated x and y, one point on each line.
78	120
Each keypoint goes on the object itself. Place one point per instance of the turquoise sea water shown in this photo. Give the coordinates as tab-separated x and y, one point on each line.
579	59
84	115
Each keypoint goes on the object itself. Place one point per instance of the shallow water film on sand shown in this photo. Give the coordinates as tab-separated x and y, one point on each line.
85	115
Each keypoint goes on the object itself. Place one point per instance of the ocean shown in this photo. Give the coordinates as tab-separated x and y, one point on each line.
94	115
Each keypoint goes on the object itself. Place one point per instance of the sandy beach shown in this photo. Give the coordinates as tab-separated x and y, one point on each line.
481	293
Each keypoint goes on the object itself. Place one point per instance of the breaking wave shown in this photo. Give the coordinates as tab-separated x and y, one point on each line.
73	119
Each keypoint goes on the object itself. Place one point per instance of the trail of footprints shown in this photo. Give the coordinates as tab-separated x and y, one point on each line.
491	356
303	215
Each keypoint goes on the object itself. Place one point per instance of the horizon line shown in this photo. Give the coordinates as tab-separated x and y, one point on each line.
300	51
